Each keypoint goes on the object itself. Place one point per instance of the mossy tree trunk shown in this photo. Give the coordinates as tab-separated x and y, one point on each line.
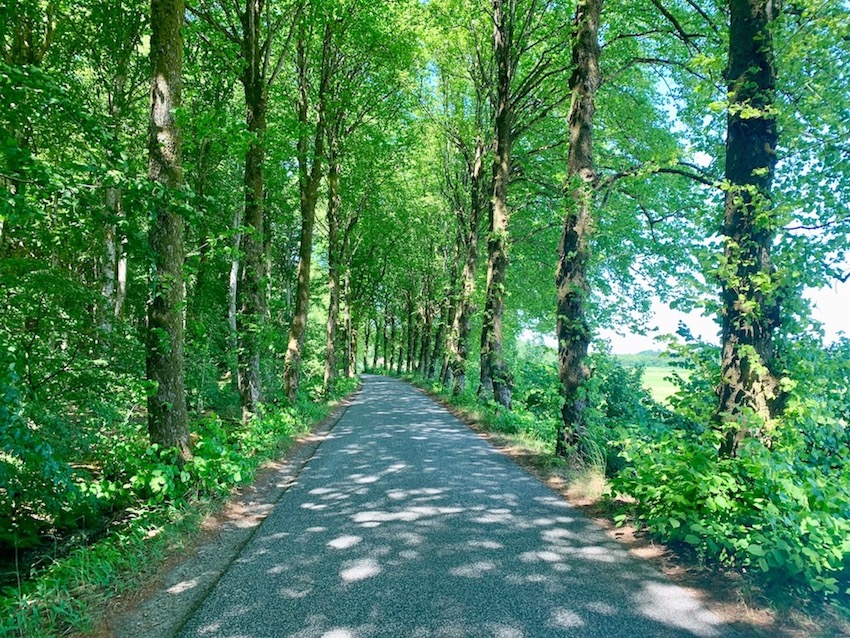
167	416
573	331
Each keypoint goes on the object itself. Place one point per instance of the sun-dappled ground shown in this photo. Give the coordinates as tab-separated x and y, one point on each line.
752	610
405	524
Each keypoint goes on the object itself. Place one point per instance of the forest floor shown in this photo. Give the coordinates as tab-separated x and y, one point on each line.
755	612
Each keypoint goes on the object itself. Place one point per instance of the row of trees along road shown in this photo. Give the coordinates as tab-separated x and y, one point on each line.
327	181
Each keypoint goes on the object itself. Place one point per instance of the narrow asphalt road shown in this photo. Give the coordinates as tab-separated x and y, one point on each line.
406	524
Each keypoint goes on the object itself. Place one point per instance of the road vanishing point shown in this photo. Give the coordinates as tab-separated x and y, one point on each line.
406	524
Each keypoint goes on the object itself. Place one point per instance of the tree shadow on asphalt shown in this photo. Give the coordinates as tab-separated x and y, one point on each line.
406	524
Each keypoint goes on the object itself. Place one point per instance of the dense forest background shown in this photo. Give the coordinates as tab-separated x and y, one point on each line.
214	215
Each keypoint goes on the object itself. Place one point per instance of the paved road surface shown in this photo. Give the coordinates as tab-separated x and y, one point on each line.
406	524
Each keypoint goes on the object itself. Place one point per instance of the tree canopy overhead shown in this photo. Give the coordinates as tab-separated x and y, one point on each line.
228	208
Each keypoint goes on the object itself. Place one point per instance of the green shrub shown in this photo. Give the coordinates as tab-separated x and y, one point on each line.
769	510
147	493
37	492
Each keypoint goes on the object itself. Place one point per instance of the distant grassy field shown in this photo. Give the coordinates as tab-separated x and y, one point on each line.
654	380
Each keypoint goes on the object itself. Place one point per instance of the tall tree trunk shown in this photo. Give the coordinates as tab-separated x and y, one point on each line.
167	415
251	291
749	393
425	342
350	343
572	330
439	345
109	259
366	346
121	277
392	346
114	241
385	336
333	267
462	325
355	343
411	322
494	368
232	299
376	349
309	179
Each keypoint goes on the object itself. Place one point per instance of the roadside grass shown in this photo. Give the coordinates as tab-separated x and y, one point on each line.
71	595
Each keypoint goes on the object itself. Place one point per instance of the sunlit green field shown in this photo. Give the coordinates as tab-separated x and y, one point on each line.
655	379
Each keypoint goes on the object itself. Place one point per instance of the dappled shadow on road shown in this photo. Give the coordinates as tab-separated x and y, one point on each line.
406	524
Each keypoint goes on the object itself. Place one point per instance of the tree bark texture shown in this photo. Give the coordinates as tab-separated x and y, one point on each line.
376	348
392	345
167	415
232	300
494	367
366	346
251	288
333	261
114	282
109	265
427	332
348	327
310	178
749	393
439	345
572	329
385	345
462	325
411	321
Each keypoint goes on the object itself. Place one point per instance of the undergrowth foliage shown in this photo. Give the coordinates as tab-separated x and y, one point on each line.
134	494
781	507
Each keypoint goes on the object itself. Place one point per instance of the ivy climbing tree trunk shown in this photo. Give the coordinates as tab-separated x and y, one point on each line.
573	331
495	376
167	416
749	389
